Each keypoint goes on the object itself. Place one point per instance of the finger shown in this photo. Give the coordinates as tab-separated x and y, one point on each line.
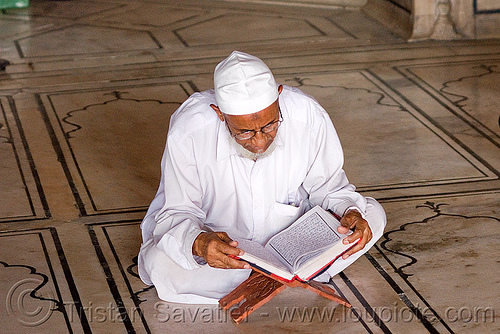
368	235
365	237
228	262
342	229
353	250
219	252
346	222
224	237
357	234
229	250
365	230
226	256
232	263
357	247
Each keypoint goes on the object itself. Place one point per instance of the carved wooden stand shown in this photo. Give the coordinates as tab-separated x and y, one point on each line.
260	288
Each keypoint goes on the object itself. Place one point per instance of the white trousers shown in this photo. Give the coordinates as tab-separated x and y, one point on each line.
206	285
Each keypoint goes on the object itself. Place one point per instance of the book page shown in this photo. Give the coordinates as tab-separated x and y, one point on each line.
308	237
257	250
309	269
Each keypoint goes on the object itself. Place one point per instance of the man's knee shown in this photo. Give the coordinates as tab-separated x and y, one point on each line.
376	217
177	284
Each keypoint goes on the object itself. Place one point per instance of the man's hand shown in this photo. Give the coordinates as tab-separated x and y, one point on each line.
353	219
216	248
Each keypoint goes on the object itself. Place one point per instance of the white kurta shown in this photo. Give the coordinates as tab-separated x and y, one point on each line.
206	185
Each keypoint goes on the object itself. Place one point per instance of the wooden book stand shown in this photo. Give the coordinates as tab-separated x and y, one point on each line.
260	288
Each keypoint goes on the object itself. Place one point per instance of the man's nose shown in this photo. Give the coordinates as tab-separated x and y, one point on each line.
260	140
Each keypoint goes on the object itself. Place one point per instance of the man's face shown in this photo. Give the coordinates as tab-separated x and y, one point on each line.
243	123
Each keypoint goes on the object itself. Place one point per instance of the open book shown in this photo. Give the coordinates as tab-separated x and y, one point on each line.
301	251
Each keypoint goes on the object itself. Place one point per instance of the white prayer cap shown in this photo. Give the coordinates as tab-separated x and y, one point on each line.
244	84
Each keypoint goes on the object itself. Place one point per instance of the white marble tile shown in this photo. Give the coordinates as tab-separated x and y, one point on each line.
471	87
113	141
445	245
63	9
487	5
373	125
19	186
80	39
157	15
258	28
37	285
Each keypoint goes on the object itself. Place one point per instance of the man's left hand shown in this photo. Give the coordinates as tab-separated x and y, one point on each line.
353	219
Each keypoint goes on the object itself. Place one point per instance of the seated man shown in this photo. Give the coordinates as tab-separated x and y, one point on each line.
244	161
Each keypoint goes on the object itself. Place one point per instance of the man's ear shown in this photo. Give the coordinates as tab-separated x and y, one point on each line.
280	89
217	110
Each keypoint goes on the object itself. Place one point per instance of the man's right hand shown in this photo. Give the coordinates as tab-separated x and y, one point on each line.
216	248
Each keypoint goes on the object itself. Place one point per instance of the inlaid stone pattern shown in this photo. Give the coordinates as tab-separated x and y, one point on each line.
447	247
117	167
19	184
37	285
93	28
359	103
487	5
469	88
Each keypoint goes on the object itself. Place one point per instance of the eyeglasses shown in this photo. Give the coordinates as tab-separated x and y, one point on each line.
271	127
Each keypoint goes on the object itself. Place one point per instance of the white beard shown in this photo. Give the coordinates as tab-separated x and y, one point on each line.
244	153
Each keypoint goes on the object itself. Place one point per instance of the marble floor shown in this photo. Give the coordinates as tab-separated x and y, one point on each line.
84	110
